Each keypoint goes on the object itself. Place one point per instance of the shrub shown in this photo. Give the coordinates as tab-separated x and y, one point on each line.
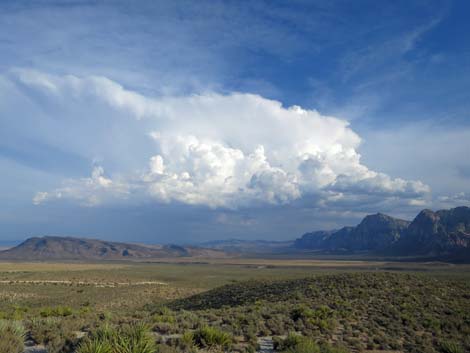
186	343
301	312
299	344
211	337
450	347
14	327
11	337
10	343
105	333
164	328
170	319
135	338
56	334
94	346
187	338
57	311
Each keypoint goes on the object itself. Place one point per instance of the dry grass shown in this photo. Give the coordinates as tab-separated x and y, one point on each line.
56	266
124	292
110	285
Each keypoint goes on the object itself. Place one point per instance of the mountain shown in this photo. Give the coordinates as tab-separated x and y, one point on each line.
441	233
375	232
247	246
314	240
69	248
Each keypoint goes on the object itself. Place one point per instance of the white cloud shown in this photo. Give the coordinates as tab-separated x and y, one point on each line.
207	172
91	191
232	151
40	197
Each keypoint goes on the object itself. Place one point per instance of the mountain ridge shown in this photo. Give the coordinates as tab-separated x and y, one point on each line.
374	233
76	248
440	234
437	233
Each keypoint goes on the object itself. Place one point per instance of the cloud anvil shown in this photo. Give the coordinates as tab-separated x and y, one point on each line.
231	151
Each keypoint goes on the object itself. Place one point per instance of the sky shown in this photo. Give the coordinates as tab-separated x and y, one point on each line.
182	121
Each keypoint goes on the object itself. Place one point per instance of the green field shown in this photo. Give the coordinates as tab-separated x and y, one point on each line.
346	305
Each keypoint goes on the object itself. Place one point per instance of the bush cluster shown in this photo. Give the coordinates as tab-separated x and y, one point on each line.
12	335
131	338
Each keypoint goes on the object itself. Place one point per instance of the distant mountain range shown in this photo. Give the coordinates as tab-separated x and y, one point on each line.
248	246
69	248
442	235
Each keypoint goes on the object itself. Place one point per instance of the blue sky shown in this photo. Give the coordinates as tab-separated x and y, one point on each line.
177	121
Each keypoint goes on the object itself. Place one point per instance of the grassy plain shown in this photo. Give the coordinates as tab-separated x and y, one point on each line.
109	285
78	297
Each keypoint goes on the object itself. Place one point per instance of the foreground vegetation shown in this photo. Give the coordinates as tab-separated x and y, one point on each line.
195	308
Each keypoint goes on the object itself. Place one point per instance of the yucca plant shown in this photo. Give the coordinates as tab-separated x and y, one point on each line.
305	346
188	338
134	338
95	345
292	340
12	334
15	327
450	347
211	337
106	333
299	344
187	342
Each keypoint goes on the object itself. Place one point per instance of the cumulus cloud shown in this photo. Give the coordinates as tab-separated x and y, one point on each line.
90	191
207	172
231	151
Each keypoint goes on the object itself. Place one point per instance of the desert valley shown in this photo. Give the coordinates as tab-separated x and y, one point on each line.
233	176
346	290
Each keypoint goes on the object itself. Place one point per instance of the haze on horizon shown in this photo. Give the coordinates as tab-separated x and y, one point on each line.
180	122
